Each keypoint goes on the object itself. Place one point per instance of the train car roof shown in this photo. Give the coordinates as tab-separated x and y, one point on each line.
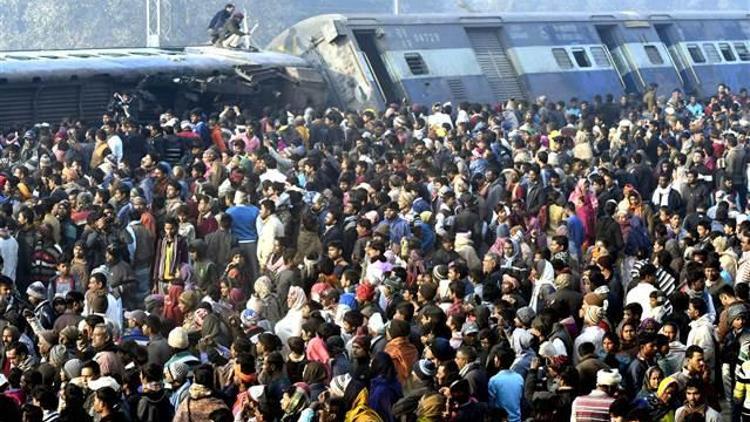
435	18
134	62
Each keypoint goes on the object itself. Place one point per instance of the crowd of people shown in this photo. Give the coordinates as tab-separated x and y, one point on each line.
572	260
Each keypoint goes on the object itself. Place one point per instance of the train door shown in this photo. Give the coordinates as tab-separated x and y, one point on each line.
374	60
669	36
495	63
624	64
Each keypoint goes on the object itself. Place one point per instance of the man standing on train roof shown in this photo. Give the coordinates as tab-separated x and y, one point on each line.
231	34
215	28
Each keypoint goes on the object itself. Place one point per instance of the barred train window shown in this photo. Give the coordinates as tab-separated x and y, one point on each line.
742	51
711	53
600	56
562	58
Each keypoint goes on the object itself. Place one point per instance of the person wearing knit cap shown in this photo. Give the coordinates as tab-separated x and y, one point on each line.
154	304
178	341
440	350
400	349
365	298
524	316
43	313
364	293
176	380
68	336
47	339
71	369
420	383
58	355
390	293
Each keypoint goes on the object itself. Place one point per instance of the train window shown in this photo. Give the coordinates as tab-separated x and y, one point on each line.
726	51
582	59
416	64
696	54
653	54
600	56
712	53
742	51
562	58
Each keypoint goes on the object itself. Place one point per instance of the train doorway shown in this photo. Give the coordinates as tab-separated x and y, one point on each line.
629	74
374	60
669	36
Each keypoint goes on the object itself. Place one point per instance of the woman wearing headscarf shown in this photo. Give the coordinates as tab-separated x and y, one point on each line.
628	334
654	375
291	324
187	304
511	262
592	331
271	308
294	403
586	204
660	404
356	397
385	389
543	279
172	311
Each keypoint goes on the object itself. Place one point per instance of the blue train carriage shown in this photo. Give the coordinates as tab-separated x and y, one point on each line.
708	48
373	60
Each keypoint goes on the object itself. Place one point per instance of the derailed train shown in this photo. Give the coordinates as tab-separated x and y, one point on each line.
357	61
486	58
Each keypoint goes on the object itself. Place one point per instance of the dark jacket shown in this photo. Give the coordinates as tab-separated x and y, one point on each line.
608	230
154	406
736	163
696	196
384	393
572	299
219	19
414	390
587	369
158	350
477	378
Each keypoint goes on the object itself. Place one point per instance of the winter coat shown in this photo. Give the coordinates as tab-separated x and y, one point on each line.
385	393
477	378
199	403
154	406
